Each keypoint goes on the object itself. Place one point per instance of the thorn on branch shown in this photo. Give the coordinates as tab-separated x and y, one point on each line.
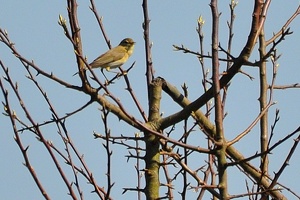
132	189
25	150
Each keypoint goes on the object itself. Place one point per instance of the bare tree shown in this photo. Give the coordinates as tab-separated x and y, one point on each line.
167	161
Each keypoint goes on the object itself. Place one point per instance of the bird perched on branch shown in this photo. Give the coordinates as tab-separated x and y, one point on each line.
114	57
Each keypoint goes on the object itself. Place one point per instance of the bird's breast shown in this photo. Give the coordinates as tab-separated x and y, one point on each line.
130	50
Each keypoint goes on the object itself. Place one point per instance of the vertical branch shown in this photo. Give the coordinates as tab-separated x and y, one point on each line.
200	24
149	67
209	172
169	180
137	167
219	137
204	71
76	38
152	157
185	150
185	160
230	24
264	136
232	6
263	100
108	152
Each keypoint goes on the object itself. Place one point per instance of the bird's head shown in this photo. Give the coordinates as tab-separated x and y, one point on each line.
128	43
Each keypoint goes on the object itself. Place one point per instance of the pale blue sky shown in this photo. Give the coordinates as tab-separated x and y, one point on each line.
32	26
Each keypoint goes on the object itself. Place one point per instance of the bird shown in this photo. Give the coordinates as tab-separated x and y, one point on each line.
114	57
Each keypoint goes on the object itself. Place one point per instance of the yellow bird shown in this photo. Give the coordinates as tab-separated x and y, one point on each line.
114	57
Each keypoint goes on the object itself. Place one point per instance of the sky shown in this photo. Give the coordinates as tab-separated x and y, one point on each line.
32	26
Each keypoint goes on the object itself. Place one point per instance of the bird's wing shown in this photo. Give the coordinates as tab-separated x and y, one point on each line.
110	56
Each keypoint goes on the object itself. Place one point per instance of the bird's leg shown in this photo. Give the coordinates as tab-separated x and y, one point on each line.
106	79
